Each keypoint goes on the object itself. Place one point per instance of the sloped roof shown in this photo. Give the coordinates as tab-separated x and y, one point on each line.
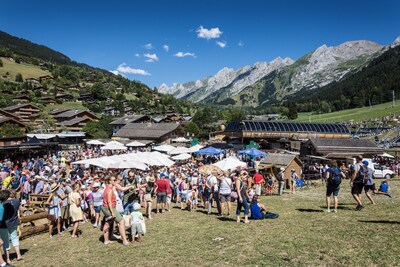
146	130
11	108
75	121
325	146
279	160
7	119
75	112
127	119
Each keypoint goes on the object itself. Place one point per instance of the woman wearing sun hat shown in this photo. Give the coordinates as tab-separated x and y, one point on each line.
54	210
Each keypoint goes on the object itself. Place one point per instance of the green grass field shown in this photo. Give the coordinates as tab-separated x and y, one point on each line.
27	70
357	114
302	236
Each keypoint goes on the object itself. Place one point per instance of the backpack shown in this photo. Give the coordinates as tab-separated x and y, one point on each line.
336	178
362	175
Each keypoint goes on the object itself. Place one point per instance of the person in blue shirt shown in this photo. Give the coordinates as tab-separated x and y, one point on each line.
257	209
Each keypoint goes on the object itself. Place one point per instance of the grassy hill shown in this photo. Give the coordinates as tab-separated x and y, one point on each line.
26	70
357	114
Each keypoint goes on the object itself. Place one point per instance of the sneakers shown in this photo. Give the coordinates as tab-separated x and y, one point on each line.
95	225
50	236
359	207
327	210
335	210
389	195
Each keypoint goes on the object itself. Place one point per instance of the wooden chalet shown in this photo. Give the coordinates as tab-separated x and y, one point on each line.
15	123
339	148
65	97
157	132
74	125
54	112
47	100
27	113
33	81
275	161
111	111
22	99
45	78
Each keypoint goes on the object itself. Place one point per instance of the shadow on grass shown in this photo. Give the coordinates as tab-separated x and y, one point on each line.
380	221
339	208
308	210
226	219
14	255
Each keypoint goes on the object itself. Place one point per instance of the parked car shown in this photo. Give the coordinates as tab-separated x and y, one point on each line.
382	172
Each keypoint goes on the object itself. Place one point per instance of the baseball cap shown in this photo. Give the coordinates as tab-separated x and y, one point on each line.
365	163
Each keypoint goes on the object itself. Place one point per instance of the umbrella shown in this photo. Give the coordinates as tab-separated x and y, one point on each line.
181	157
135	143
179	150
386	155
128	164
95	142
252	152
181	140
114	145
164	148
196	148
209	151
230	163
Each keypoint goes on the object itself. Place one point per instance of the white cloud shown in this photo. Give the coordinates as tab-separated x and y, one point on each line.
182	54
221	44
150	57
166	47
208	33
137	55
148	46
125	69
114	72
240	44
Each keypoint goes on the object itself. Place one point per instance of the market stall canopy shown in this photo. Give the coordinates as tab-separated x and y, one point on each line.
386	155
95	142
253	152
128	164
184	156
135	144
181	140
195	148
209	151
114	145
230	163
179	150
164	148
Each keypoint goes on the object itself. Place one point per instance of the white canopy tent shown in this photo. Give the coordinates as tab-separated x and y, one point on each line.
230	163
183	156
95	142
114	145
195	148
164	148
386	155
135	144
179	150
181	140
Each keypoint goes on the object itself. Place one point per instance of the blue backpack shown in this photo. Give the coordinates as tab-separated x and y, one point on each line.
336	176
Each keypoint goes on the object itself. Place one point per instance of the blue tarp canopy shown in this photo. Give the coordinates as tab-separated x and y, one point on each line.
209	151
253	152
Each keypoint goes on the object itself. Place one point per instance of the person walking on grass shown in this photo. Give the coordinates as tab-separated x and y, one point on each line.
370	185
293	178
357	181
281	180
334	177
75	211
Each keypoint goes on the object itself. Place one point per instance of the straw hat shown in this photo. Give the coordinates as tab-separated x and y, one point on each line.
54	187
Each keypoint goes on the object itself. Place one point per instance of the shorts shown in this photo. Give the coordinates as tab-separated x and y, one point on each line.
169	198
357	188
370	187
184	196
147	197
224	198
7	234
136	229
97	209
162	197
332	189
106	211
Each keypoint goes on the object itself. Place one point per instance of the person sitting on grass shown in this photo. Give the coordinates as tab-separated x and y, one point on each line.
384	189
258	210
136	220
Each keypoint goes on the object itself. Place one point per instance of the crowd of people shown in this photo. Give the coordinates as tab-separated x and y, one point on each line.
119	200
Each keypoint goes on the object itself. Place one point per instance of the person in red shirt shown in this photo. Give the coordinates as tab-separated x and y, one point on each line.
161	188
258	182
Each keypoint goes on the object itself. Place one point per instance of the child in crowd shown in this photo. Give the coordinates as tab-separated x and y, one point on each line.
384	189
136	220
270	185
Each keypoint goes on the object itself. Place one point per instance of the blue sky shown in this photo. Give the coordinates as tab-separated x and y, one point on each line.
170	41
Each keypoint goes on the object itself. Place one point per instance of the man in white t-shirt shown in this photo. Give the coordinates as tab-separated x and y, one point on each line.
212	185
225	192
